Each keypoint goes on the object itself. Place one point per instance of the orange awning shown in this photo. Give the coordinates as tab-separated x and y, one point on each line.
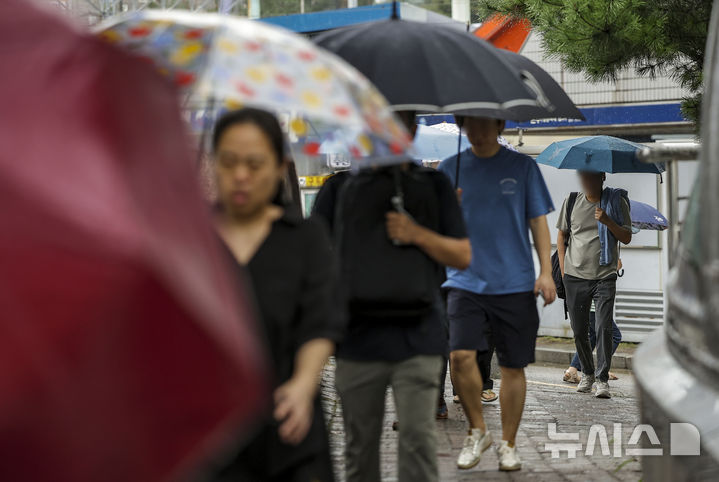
505	32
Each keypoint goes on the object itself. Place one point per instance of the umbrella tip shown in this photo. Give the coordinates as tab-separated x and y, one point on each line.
395	14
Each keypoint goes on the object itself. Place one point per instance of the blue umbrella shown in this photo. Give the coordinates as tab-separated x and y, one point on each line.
645	216
438	142
598	154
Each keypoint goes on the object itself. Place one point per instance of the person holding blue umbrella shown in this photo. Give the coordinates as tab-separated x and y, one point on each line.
591	224
644	217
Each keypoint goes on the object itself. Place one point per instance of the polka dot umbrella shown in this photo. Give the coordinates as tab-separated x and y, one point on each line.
221	62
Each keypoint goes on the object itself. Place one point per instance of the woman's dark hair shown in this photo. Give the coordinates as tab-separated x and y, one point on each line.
265	121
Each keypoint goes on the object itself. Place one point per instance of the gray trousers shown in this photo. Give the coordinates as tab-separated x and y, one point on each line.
362	387
580	293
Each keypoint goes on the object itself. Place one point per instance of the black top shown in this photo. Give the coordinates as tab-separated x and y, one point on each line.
293	275
388	339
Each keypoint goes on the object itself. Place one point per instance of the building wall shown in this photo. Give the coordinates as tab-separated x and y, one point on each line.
630	87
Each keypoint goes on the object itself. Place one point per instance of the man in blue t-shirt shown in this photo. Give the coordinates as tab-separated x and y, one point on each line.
503	198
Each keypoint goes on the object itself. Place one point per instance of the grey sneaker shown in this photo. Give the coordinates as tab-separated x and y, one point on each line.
585	384
603	390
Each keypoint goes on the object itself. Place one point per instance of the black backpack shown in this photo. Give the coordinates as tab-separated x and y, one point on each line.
556	271
379	278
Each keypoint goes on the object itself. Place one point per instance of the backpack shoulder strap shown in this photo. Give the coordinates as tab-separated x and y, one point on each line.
570	206
571	200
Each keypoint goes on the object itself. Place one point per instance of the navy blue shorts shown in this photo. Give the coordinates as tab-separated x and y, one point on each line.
510	320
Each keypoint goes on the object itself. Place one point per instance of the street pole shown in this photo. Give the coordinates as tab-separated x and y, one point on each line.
673	210
460	10
253	9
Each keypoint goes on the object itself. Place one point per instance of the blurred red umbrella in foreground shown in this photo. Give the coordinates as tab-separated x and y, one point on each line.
124	350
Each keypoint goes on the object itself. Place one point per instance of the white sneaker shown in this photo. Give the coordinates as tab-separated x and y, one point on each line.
603	390
508	458
474	445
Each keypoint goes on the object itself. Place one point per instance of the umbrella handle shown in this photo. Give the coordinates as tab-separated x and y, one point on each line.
459	154
207	126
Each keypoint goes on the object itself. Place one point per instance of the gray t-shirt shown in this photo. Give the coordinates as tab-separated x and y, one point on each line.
582	257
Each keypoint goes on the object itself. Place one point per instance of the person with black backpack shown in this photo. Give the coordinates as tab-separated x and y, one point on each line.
395	229
591	225
571	374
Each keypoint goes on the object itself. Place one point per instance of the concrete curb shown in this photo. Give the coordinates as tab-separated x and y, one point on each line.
564	357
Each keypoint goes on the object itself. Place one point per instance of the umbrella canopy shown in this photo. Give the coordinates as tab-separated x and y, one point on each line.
126	350
598	154
561	104
431	68
224	62
647	217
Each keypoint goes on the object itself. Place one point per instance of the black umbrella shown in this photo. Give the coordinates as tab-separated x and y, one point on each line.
433	68
561	104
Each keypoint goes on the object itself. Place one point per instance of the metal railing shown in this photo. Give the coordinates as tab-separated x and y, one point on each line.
671	154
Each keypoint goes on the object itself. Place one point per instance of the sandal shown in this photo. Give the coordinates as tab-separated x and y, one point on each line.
489	396
571	377
612	376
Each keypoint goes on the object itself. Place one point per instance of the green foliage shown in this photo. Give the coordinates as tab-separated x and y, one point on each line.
602	37
272	8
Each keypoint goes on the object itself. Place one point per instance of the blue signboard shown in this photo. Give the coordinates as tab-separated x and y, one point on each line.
615	114
596	116
327	20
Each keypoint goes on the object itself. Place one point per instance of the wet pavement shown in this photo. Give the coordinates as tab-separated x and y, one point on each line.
549	401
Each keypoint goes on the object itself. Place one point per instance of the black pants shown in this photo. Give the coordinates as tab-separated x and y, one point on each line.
265	458
580	293
314	468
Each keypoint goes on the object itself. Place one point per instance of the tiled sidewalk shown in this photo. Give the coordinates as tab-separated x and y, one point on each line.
548	401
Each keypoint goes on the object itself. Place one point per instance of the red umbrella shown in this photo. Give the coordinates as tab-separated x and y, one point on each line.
125	351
